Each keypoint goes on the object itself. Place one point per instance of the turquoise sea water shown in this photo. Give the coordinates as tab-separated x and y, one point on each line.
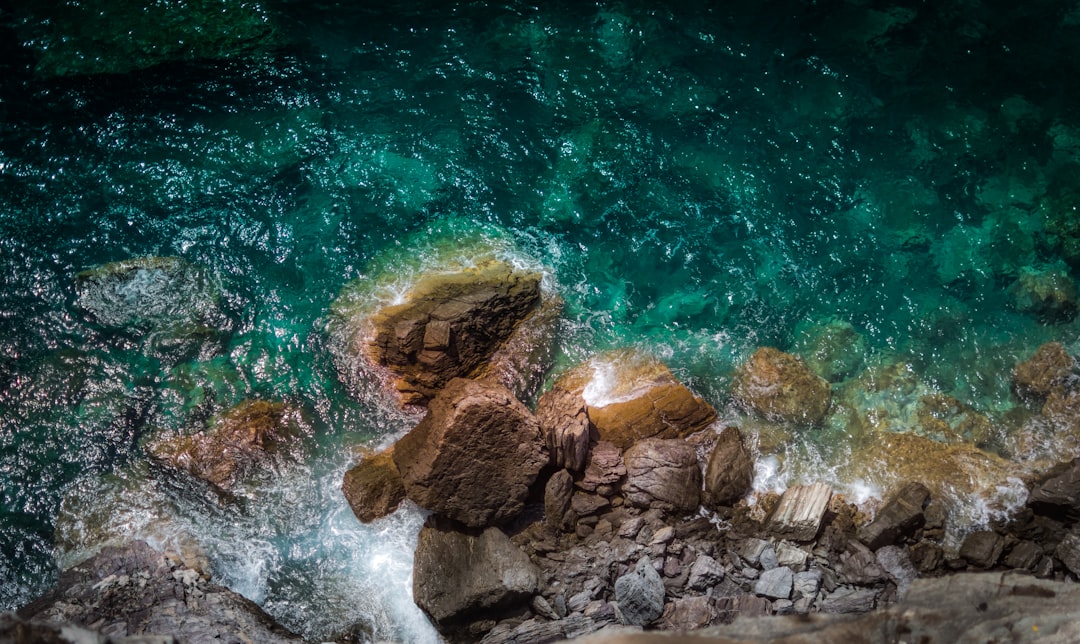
697	181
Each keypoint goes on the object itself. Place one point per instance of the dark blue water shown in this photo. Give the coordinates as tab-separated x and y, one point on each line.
696	181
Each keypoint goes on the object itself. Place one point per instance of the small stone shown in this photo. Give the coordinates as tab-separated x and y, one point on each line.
982	549
927	557
689	613
663	536
1068	551
775	583
768	559
630	528
846	599
791	556
705	573
897	563
807	583
751	573
585	504
542	608
751	550
783	607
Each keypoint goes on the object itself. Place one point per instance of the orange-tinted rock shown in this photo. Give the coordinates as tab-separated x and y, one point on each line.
373	488
448	324
730	470
1035	378
633	396
474	456
620	397
780	387
564	420
255	435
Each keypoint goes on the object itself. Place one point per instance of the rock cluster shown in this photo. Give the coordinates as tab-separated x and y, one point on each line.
132	591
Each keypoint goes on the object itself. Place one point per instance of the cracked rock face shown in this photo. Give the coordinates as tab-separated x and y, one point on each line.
622	397
135	590
449	325
474	455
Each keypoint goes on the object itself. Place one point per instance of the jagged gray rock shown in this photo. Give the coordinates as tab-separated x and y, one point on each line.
639	594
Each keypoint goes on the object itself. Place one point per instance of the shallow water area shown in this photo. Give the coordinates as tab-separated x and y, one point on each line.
889	192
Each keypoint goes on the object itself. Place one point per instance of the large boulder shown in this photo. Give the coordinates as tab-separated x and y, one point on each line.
620	397
663	474
900	517
461	577
373	487
1037	377
447	324
474	456
780	387
134	590
730	470
252	440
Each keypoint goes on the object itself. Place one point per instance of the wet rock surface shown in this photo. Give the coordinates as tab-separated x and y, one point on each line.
373	487
134	591
780	387
256	438
449	325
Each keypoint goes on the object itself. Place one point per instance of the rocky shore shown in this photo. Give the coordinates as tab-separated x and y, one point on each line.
619	504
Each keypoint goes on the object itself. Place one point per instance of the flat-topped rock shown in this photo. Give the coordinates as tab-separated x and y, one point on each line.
626	396
799	513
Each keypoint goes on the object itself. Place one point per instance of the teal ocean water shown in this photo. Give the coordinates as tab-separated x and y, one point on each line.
894	186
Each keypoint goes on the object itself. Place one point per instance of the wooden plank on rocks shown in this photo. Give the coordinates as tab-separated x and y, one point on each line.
800	511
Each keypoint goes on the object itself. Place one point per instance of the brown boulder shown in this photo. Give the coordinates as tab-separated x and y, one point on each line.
663	474
564	419
1035	378
449	325
254	436
463	577
626	396
900	517
373	488
474	456
730	471
780	387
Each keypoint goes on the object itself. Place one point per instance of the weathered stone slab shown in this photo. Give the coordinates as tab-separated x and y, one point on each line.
800	511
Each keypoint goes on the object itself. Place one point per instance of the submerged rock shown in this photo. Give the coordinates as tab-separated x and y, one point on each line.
255	436
1037	377
834	350
474	456
151	293
461	577
109	37
373	487
1049	294
780	387
134	590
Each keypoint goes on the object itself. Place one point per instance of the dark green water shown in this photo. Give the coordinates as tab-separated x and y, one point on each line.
697	181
